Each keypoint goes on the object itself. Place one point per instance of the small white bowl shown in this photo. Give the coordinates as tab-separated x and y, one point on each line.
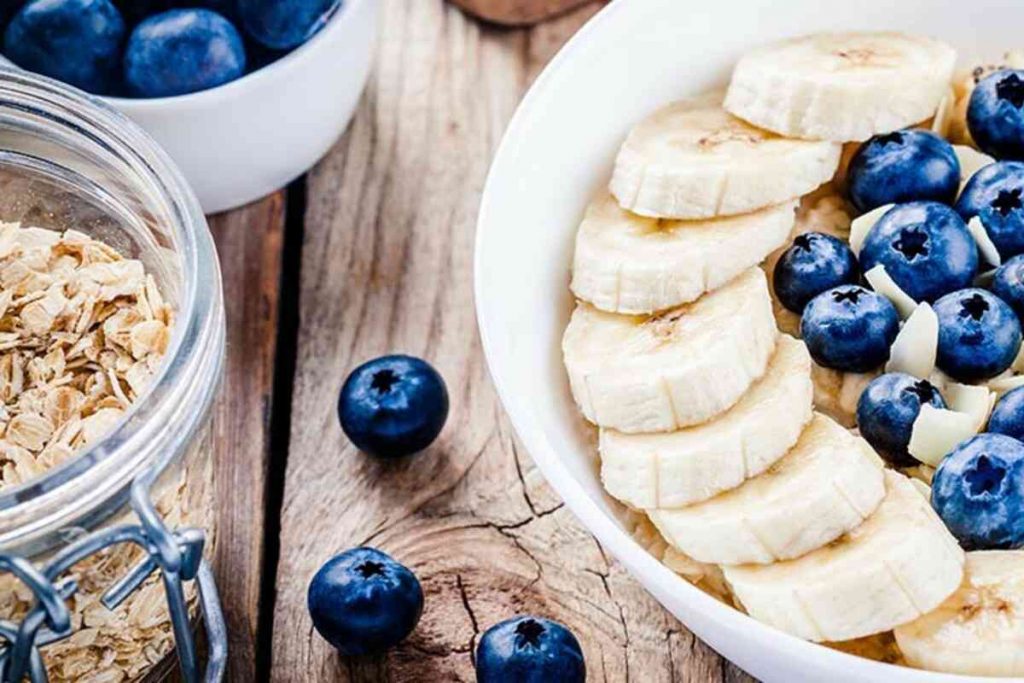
245	139
633	57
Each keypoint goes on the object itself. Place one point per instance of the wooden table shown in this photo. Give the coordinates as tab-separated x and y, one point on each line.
371	253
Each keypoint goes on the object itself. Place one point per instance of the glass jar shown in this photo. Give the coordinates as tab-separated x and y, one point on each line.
101	569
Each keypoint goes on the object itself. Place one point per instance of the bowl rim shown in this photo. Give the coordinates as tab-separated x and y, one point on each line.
213	96
621	544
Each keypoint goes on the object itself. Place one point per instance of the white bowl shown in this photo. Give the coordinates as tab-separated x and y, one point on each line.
631	58
247	138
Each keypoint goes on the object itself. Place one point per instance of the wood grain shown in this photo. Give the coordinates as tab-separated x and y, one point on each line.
249	243
518	12
387	267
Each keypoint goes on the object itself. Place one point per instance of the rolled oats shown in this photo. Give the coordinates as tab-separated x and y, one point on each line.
82	332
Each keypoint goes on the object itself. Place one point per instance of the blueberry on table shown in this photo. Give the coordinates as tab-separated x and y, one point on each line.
978	491
925	248
182	51
994	194
1008	415
363	601
1008	284
813	263
979	335
849	328
284	24
905	166
75	41
393	406
995	115
529	650
886	412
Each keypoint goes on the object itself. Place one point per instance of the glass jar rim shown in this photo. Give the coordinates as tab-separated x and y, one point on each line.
155	431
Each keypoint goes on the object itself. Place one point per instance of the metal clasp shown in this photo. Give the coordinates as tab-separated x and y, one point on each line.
176	555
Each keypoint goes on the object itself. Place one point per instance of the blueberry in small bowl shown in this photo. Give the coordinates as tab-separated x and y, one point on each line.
393	406
529	650
813	263
979	335
75	41
925	248
1008	284
849	328
978	491
135	11
363	601
905	166
886	412
995	114
284	24
994	194
1008	415
182	51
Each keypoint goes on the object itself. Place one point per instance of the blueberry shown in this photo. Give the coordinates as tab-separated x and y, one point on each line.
849	328
978	490
8	8
886	412
363	601
904	166
135	11
925	247
979	335
529	650
1008	415
1008	284
995	115
182	51
393	406
76	41
994	195
284	24
813	263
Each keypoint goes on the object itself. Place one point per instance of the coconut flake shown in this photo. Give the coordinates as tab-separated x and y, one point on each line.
1006	383
985	244
861	226
880	281
922	488
976	401
984	280
971	161
917	344
936	432
944	114
1018	363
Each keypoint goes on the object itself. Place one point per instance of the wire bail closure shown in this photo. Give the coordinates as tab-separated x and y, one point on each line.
176	555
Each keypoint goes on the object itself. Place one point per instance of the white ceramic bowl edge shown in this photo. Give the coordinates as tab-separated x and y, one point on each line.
245	139
632	57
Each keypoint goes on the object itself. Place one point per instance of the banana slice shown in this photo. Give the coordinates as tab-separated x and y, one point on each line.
675	369
901	563
695	464
626	263
841	86
826	486
979	630
691	159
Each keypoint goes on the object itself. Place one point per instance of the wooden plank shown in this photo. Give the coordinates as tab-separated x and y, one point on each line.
249	243
387	266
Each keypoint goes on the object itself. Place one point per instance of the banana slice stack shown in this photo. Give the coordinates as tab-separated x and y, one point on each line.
705	411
